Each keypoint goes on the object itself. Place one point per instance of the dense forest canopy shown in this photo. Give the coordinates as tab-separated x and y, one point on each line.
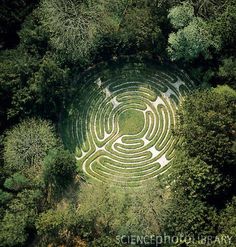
45	199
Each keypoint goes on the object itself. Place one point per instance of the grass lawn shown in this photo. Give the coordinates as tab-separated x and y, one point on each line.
131	122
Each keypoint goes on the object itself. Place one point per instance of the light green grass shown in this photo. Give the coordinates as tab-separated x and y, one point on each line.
131	122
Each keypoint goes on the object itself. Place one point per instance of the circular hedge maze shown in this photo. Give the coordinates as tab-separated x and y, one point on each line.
119	121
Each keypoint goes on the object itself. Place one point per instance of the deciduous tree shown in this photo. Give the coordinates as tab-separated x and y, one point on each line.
27	144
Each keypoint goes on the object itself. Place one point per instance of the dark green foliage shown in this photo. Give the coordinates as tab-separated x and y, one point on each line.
227	71
50	84
13	230
205	165
209	8
206	123
59	171
91	27
57	226
33	36
224	23
5	197
195	179
203	175
27	86
227	225
12	15
27	77
27	202
25	147
16	69
19	216
17	182
138	28
59	168
190	217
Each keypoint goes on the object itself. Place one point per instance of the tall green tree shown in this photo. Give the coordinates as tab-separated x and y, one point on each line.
19	218
227	223
17	182
196	179
76	27
194	36
190	217
50	83
59	226
180	16
87	30
223	23
27	144
227	71
16	96
207	125
12	15
205	166
32	81
109	211
59	170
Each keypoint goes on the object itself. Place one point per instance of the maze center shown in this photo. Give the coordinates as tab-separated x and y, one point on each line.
119	122
131	122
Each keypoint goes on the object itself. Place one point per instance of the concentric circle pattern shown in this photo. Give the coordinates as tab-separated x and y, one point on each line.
121	120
